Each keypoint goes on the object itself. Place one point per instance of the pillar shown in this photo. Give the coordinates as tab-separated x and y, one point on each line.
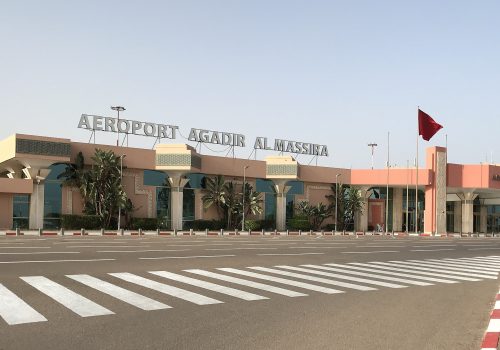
435	193
467	211
177	183
397	209
457	216
281	191
361	217
483	217
37	206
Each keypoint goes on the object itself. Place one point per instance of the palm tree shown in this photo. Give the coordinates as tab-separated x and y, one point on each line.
353	206
215	192
253	200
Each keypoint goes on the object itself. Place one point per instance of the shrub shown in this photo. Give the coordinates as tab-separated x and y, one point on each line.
76	222
143	223
299	222
200	225
253	225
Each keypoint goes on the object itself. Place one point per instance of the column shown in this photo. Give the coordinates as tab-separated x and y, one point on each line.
177	183
37	206
457	216
281	191
397	209
361	217
483	217
467	211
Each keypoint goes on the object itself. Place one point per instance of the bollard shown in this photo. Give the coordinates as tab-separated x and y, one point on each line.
287	233
262	232
61	231
82	232
333	234
39	231
102	232
175	232
157	231
343	232
310	232
300	232
121	232
275	232
206	232
140	232
222	232
249	232
18	231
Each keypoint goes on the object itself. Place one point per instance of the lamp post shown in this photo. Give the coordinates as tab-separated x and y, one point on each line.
121	178
336	198
243	202
118	109
372	145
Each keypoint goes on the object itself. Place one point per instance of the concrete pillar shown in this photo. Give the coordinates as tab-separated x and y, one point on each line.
457	216
37	206
281	191
435	193
483	219
467	211
361	217
177	183
397	209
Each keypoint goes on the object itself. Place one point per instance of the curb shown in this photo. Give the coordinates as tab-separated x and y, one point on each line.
491	337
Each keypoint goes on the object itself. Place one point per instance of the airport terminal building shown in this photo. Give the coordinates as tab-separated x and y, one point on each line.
451	197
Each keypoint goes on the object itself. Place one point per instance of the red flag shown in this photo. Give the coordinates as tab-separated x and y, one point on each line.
427	127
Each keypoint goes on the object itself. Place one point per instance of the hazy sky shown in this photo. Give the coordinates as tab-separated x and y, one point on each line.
340	73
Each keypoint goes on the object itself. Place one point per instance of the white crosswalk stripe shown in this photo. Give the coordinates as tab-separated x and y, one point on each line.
453	269
460	266
348	270
14	310
208	285
352	276
166	289
417	268
243	282
312	278
413	273
73	301
120	293
349	278
303	285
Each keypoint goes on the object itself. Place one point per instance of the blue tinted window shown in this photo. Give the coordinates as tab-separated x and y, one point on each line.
154	178
270	205
264	186
21	211
55	171
296	187
52	204
196	180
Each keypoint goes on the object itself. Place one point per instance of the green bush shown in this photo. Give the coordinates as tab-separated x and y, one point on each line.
143	223
253	225
299	222
201	225
76	222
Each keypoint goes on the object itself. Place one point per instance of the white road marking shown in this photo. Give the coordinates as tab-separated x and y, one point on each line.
73	301
247	248
36	253
491	248
316	247
468	264
373	251
143	251
282	281
120	293
52	261
479	262
186	257
365	274
431	250
290	254
256	285
435	246
417	268
479	271
312	278
349	278
208	285
166	289
24	247
406	271
106	246
14	310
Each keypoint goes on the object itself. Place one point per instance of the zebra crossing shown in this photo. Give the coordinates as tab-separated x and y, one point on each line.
253	283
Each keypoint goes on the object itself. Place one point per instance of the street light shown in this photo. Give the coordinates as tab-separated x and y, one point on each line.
372	145
243	203
118	109
121	178
336	198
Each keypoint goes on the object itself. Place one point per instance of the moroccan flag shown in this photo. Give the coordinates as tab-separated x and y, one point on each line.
427	127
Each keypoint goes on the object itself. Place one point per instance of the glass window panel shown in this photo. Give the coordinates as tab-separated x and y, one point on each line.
270	206
296	187
154	178
52	199
55	171
188	204
264	186
196	180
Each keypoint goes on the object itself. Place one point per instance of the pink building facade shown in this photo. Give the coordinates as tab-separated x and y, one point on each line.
450	197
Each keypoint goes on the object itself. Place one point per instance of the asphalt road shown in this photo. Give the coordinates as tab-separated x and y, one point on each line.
54	295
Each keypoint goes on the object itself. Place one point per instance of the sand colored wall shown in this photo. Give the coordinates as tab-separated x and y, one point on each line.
8	148
233	167
24	186
397	177
6	210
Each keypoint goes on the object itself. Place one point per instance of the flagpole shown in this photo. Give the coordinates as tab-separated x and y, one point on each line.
407	199
416	182
387	189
